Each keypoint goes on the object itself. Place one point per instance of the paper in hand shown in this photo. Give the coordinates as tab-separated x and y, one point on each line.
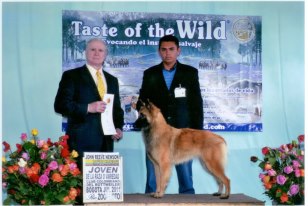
106	116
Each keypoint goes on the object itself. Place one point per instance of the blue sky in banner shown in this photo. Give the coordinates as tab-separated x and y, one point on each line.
225	49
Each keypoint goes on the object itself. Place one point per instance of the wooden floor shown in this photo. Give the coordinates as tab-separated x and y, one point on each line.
182	200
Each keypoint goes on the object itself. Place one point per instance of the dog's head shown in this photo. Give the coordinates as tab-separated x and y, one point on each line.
147	112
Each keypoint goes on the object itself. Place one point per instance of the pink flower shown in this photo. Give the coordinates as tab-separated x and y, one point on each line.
271	172
73	166
25	156
47	171
61	167
40	143
53	165
281	179
43	180
261	175
23	136
284	148
22	170
296	164
43	155
288	169
301	158
294	189
297	173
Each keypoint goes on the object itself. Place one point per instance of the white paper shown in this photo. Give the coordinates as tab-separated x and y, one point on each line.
106	116
102	177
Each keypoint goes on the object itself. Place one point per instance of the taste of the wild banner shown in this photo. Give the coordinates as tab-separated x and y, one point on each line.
225	49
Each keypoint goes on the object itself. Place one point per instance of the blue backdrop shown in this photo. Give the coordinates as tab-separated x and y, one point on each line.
31	70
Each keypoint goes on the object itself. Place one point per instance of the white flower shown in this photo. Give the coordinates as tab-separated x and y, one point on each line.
22	162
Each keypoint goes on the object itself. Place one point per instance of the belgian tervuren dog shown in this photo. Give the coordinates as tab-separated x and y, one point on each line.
166	146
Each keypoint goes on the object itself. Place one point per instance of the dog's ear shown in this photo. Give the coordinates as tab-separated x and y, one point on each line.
151	105
148	105
142	103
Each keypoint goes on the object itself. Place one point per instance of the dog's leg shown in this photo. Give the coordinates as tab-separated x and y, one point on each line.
214	163
208	166
164	171
224	180
221	156
220	188
158	179
165	176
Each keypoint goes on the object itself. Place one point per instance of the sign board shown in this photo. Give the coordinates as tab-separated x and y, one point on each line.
102	177
226	50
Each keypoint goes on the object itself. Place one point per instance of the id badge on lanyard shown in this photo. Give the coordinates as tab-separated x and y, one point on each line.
179	92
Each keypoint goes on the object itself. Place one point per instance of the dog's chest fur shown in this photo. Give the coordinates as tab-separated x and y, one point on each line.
149	138
158	141
146	132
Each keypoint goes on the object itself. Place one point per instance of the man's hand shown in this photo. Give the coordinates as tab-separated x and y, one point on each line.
118	135
96	107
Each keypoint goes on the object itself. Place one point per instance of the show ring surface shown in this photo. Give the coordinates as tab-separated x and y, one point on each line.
182	200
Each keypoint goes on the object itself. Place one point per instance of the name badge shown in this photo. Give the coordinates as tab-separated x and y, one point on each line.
179	92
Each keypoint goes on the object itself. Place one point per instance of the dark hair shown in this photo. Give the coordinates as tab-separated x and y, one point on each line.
167	38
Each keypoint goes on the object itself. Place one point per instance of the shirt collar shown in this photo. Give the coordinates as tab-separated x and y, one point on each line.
93	70
172	69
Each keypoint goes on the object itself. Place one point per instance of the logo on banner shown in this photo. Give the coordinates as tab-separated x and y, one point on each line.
243	30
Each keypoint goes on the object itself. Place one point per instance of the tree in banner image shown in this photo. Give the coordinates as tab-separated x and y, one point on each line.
71	44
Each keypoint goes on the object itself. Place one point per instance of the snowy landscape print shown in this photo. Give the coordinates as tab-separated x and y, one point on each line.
225	49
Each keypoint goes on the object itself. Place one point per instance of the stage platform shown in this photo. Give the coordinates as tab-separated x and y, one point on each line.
182	200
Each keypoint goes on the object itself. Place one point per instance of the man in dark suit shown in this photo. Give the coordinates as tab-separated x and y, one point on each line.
79	100
175	89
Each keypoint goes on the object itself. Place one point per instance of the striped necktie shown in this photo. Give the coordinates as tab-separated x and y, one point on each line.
100	85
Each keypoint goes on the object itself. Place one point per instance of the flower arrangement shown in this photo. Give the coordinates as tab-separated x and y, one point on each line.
283	172
40	172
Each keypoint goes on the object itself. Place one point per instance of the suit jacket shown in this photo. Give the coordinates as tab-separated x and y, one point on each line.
76	90
179	112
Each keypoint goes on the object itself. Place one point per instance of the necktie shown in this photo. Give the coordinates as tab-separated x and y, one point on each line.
100	85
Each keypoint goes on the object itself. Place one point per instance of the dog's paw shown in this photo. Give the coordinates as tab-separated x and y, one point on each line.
216	194
157	195
224	197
